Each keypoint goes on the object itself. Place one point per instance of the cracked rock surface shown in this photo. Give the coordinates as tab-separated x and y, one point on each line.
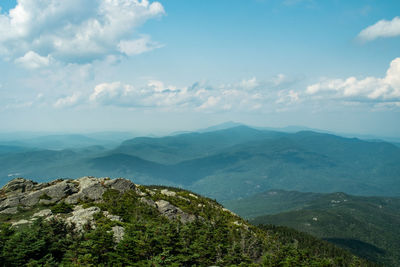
20	192
23	195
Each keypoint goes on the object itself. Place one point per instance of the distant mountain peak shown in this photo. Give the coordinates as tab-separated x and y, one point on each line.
221	126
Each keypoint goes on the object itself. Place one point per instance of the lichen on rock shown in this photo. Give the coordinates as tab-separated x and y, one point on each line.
173	213
81	217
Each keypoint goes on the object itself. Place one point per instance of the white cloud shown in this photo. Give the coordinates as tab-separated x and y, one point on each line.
61	79
139	46
154	94
75	30
68	101
369	89
381	29
280	79
288	97
211	102
73	85
246	95
32	60
249	84
110	93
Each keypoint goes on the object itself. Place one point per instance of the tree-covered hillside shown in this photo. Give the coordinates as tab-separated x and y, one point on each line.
271	202
367	226
93	221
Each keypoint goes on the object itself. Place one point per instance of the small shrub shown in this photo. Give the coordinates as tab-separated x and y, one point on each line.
61	207
45	196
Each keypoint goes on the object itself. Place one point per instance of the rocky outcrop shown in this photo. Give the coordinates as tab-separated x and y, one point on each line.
24	193
81	217
173	213
20	222
120	184
52	193
18	185
168	193
89	188
148	202
12	210
20	192
79	203
9	204
43	213
60	190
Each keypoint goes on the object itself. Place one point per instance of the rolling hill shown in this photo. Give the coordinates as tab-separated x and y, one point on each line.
271	202
229	163
63	141
367	226
183	147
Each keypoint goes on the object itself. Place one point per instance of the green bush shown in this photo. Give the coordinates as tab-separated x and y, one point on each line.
45	196
61	207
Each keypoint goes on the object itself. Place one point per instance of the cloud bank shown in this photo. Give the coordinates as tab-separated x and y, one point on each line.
74	30
369	89
246	95
381	29
277	94
249	95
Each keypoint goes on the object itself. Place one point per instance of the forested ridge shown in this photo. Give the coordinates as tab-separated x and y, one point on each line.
65	223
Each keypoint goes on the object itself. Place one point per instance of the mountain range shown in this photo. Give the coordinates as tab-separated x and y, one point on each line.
225	164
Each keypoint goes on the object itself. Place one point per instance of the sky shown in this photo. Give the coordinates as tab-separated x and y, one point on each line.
167	65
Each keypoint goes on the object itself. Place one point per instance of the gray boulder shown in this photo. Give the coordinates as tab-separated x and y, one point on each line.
89	188
120	184
43	213
168	193
31	198
148	202
173	213
11	201
12	210
60	190
80	217
20	222
18	185
55	191
21	192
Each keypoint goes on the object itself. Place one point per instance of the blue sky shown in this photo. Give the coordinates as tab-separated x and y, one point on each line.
154	66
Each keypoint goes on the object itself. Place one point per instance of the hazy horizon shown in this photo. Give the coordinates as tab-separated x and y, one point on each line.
126	134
